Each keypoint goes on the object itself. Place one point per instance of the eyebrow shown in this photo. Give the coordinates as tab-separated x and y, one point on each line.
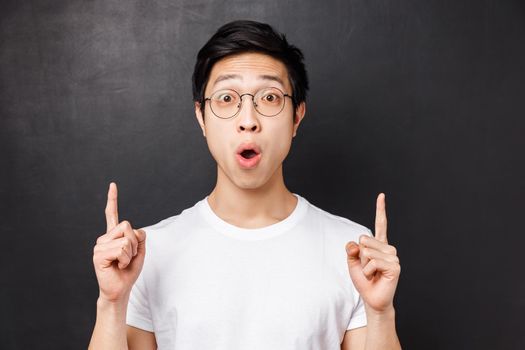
226	77
239	77
271	77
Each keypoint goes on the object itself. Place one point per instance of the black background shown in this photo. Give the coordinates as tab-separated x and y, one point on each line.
423	100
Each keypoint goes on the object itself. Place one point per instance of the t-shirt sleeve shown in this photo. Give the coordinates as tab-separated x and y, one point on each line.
358	318
138	312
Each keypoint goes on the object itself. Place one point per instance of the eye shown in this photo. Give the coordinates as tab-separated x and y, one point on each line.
224	98
270	98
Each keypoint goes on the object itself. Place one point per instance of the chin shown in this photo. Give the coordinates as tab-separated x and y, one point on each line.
249	184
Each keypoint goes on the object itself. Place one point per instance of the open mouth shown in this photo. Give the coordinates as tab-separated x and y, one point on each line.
248	153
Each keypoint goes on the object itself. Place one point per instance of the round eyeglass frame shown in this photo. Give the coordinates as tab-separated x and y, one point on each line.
253	102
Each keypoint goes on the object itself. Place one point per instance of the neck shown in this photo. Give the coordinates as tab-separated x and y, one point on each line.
254	207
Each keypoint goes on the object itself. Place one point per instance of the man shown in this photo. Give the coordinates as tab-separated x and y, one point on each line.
252	265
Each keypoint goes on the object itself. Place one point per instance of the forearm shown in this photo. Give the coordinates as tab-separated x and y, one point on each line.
381	331
110	327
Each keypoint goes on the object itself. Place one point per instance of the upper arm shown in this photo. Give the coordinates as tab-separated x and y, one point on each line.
139	339
354	339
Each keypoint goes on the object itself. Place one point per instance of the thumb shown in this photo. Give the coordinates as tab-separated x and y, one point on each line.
354	265
141	238
352	251
138	260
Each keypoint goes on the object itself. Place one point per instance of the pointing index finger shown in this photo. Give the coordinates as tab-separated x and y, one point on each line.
112	207
381	222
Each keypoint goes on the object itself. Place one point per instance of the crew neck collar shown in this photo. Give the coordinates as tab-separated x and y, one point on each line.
260	233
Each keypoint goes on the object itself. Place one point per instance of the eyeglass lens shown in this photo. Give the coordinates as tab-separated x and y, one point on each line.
226	103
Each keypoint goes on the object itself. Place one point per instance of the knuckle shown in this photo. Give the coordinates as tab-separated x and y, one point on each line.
97	259
397	269
125	259
126	225
132	237
392	250
122	252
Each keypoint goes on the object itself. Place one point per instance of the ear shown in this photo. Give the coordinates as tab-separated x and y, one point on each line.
299	115
200	118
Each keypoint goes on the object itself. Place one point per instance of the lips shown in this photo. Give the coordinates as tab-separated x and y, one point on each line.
248	155
248	146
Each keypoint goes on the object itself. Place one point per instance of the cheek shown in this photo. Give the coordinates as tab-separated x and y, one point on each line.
217	140
281	140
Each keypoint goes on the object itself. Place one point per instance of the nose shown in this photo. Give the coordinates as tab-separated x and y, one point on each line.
248	118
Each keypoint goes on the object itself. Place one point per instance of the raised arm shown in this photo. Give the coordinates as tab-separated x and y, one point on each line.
374	268
118	257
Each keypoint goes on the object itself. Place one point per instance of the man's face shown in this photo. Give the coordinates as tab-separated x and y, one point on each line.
248	73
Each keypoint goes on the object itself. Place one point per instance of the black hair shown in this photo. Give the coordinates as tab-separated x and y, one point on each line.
244	36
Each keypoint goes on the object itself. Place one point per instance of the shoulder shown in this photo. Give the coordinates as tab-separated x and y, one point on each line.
334	227
173	226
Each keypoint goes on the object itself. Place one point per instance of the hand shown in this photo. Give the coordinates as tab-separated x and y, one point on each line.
374	265
119	254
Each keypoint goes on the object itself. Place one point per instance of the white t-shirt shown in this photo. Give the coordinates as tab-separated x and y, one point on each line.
207	284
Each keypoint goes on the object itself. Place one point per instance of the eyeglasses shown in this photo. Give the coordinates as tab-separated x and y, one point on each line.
226	103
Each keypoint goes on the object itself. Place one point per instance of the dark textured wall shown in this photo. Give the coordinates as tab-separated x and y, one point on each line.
420	99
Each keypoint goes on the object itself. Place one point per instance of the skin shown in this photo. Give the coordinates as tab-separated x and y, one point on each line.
258	197
374	269
118	257
248	198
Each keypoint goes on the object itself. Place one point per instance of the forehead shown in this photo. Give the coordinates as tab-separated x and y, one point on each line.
247	70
